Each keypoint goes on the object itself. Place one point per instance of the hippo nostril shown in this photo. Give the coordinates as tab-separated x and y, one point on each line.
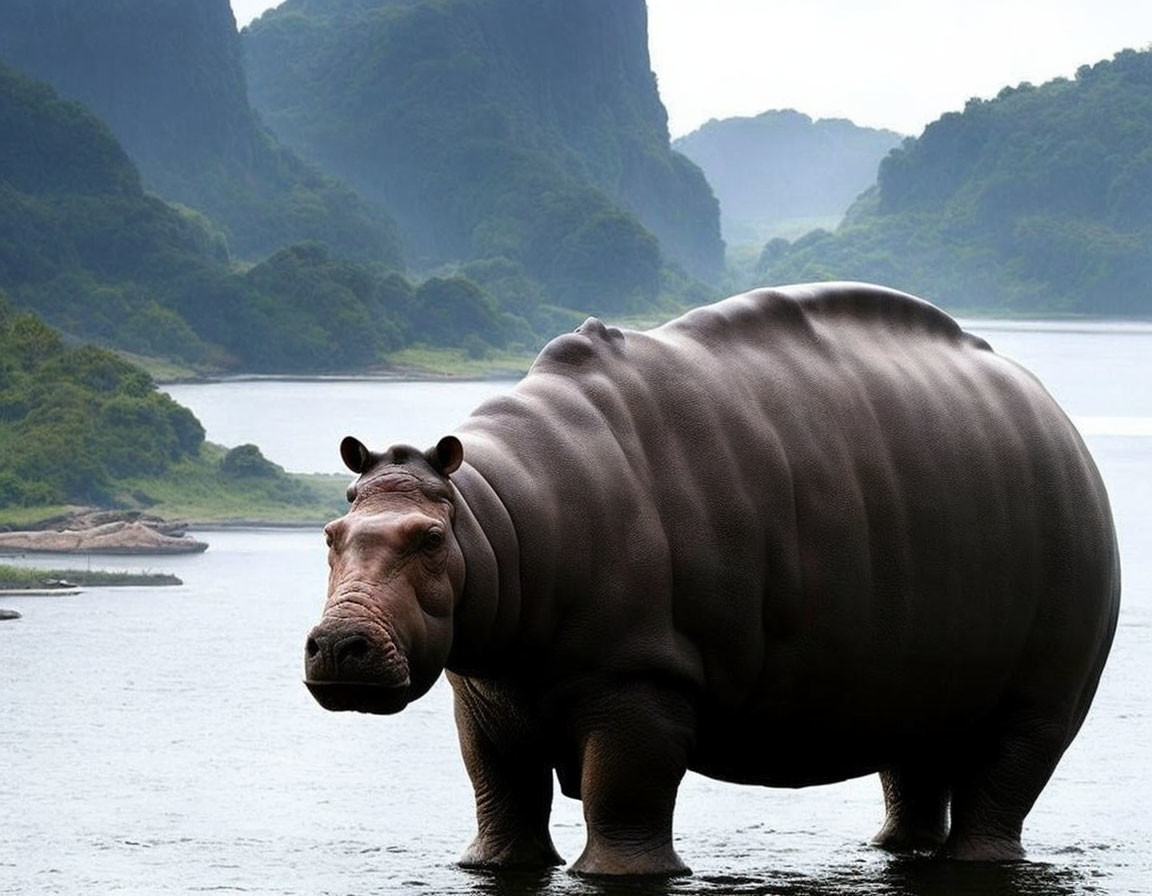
351	649
332	653
342	655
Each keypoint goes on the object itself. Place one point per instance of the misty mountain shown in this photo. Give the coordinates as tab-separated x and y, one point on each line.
1037	200
86	248
495	129
80	241
781	173
167	76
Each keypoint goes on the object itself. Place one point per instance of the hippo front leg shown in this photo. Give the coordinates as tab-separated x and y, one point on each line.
635	753
512	782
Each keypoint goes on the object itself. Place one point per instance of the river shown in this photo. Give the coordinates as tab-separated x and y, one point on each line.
159	740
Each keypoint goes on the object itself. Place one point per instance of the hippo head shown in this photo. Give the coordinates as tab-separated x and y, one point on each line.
396	570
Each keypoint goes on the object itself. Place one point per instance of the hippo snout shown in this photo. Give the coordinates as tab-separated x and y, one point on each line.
352	668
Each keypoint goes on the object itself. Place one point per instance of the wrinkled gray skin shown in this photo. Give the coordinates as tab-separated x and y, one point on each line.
794	537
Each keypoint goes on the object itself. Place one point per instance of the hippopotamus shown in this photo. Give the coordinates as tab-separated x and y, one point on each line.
797	536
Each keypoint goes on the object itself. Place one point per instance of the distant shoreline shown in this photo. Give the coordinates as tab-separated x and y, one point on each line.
448	366
252	525
178	516
426	366
367	377
28	580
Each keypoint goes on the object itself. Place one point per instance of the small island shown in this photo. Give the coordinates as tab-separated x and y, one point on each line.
24	581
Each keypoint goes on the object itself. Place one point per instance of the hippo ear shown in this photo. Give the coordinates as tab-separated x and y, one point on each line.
356	457
447	456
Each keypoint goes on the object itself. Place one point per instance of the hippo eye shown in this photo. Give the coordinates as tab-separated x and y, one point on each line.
433	539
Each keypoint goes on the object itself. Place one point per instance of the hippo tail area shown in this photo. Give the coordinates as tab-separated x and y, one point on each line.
1105	644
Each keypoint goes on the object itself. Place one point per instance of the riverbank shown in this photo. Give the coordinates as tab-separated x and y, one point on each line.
181	501
200	504
26	581
407	365
62	581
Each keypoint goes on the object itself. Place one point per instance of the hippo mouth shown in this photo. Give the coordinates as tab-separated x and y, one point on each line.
360	696
350	668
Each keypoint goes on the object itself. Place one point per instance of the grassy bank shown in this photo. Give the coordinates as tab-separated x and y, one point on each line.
447	363
18	577
201	491
198	493
414	363
199	503
16	518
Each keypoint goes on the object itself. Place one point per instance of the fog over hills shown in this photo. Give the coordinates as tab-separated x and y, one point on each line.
168	77
492	128
781	173
1036	201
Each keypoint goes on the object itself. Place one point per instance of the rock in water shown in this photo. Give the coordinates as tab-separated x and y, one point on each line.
111	538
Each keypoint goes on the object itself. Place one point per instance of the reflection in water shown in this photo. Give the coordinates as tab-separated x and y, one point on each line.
918	876
515	883
891	877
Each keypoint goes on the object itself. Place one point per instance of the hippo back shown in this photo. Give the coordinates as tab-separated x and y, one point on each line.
760	497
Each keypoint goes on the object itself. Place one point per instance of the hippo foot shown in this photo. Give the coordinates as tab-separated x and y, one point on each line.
910	840
518	855
983	849
599	861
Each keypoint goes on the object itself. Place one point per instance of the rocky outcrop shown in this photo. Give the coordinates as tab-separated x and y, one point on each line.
8	614
116	537
91	518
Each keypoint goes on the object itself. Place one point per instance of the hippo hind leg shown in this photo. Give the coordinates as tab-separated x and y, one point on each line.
996	784
916	807
987	784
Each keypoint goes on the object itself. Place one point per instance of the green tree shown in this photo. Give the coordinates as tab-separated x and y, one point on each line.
247	462
449	310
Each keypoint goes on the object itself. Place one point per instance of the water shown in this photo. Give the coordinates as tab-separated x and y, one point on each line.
159	740
299	424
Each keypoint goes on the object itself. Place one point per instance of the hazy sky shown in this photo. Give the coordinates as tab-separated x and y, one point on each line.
886	63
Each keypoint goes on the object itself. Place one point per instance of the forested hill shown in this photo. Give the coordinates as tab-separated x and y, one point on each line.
79	240
531	132
1039	200
780	173
74	420
79	425
84	247
167	76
